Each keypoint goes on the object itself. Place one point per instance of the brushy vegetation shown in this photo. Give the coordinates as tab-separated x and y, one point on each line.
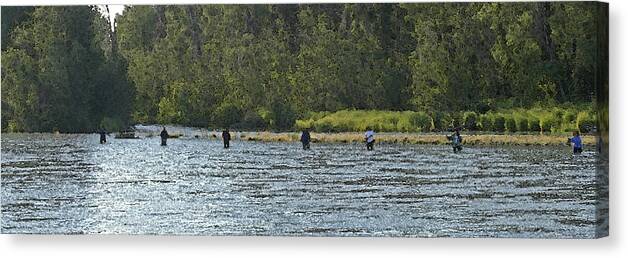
535	120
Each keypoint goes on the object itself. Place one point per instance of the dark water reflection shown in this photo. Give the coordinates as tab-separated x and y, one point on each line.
71	184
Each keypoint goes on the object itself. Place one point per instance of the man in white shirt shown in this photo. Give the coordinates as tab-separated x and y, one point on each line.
369	137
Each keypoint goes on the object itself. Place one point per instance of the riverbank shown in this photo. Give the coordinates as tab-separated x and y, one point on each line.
413	138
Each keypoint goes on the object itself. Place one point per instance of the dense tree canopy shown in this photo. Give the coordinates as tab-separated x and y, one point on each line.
55	74
263	66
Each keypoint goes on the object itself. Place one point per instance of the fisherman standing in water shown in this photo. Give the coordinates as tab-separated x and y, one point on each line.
369	137
576	142
305	139
164	136
103	136
226	137
456	140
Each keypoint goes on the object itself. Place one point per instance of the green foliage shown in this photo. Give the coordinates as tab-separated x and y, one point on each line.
510	124
486	122
521	122
585	121
226	115
513	120
12	17
14	127
437	121
60	70
265	66
534	125
112	124
422	121
304	124
470	120
359	120
548	123
252	121
282	116
499	123
569	117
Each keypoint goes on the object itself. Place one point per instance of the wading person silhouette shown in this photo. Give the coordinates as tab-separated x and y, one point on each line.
369	137
576	142
164	136
103	136
305	139
226	137
456	140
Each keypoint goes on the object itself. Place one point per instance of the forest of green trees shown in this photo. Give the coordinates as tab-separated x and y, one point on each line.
267	66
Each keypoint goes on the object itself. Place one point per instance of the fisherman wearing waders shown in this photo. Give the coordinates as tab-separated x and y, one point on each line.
164	136
305	139
576	142
369	137
226	137
456	140
103	136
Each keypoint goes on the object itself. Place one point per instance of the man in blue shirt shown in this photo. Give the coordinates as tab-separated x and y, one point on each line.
576	142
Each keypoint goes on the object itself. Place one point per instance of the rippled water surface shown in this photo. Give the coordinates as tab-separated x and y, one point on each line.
70	184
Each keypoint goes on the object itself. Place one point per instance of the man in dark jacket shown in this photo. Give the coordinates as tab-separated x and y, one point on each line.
103	136
164	136
305	139
226	137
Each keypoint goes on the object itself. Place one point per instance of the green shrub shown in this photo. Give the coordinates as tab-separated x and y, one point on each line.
513	120
421	121
169	112
282	115
522	123
510	124
265	114
534	125
252	121
568	121
323	125
14	127
456	119
485	122
470	120
111	124
499	123
405	124
226	115
569	117
548	123
585	121
558	114
447	121
438	121
304	124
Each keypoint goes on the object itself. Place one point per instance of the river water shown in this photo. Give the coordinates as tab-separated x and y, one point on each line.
71	184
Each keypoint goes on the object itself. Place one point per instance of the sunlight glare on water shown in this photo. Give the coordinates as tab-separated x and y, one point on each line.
70	184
